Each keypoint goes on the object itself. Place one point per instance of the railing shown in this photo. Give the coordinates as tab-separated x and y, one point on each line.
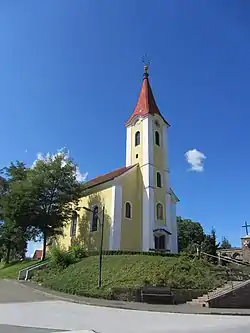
26	273
232	274
224	258
229	289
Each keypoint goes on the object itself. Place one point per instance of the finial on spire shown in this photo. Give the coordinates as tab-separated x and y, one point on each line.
145	60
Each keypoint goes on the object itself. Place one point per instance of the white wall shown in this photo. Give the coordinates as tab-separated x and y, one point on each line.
174	236
116	218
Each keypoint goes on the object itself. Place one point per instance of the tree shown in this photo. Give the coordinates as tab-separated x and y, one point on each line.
52	192
13	233
225	244
190	234
210	246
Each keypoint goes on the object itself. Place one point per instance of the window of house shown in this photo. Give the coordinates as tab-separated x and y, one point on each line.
157	138
159	211
94	223
128	210
158	179
137	138
73	224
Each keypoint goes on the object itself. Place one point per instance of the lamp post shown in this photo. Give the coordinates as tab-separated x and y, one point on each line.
101	221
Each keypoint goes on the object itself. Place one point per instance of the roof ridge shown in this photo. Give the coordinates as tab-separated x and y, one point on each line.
103	178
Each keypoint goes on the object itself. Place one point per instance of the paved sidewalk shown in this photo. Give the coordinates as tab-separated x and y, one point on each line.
24	329
12	291
54	316
40	311
182	308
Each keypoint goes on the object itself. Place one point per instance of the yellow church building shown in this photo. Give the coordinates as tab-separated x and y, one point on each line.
138	203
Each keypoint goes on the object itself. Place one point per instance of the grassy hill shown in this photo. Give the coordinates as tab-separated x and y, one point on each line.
130	271
10	271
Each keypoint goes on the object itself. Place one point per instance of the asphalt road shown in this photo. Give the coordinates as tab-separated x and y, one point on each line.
12	292
23	310
21	329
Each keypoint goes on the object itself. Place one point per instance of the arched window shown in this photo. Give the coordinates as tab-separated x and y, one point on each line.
73	224
157	138
128	210
94	223
158	179
137	138
159	211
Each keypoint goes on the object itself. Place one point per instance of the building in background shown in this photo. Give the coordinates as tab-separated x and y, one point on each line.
140	205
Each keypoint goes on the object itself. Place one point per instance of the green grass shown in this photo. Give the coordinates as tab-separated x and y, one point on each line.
10	271
130	271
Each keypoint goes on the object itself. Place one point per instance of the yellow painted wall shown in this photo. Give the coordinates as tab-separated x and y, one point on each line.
160	157
136	150
160	196
131	229
90	240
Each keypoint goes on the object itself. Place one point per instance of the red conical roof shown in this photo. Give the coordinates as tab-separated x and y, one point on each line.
146	103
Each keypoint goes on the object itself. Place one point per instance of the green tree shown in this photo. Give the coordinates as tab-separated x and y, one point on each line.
12	241
52	192
13	234
225	244
190	235
210	246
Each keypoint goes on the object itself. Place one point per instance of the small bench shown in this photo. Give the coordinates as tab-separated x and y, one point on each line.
157	295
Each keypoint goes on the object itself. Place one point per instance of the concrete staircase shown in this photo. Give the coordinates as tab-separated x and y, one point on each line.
227	287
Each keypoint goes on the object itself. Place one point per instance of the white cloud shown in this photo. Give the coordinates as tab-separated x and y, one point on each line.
81	177
196	160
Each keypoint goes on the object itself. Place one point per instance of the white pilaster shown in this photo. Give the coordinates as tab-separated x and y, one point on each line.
128	146
148	219
169	218
147	169
116	218
165	152
147	141
174	236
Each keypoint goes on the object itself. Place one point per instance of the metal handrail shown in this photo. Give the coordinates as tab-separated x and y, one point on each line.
228	289
230	260
234	261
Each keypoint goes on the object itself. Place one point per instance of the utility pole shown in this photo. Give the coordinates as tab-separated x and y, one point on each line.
101	222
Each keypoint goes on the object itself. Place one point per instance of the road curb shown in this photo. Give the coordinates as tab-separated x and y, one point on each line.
177	309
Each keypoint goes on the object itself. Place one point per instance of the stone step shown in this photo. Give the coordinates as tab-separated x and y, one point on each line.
203	300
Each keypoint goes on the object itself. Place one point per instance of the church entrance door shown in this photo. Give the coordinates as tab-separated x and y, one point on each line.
160	242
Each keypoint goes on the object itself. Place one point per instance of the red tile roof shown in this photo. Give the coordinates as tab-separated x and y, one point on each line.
146	103
106	177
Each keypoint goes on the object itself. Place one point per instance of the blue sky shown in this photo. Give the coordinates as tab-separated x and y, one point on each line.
71	74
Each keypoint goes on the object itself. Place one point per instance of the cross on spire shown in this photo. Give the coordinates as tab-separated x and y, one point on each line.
145	60
246	227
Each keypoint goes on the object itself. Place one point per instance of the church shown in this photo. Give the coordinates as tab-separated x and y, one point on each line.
135	203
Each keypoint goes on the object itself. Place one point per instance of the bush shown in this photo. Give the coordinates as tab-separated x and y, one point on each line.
61	258
78	252
132	271
121	253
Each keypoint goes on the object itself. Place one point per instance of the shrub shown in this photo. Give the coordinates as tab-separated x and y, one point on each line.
78	252
61	258
132	271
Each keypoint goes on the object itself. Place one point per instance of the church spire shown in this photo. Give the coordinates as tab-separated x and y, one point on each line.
146	103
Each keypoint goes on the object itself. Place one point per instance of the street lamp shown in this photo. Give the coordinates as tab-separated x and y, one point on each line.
101	241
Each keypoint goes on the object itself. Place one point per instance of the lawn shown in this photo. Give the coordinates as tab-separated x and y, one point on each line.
130	271
10	271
